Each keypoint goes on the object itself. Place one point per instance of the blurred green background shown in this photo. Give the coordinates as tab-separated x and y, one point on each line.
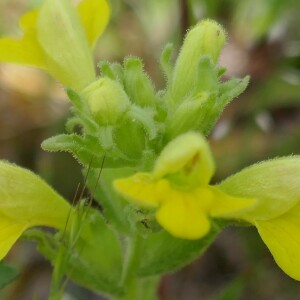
263	41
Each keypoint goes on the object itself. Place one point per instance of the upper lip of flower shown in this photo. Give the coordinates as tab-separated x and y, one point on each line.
65	54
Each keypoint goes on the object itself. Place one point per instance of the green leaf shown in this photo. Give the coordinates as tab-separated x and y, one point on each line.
164	253
274	183
85	149
95	262
7	274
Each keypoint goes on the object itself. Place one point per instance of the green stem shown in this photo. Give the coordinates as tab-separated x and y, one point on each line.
136	288
56	289
131	262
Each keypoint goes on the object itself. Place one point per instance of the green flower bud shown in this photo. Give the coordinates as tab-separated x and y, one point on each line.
107	100
206	38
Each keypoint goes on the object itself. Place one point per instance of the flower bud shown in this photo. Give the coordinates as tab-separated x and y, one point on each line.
107	100
206	38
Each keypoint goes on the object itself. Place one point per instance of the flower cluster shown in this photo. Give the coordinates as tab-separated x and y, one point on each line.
156	156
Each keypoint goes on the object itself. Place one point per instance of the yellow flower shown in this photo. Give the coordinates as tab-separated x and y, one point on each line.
275	183
58	38
266	195
26	201
178	188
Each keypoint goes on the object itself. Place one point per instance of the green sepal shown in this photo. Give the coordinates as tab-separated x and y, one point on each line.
232	88
106	70
8	274
144	116
131	147
113	71
95	262
76	99
114	207
274	183
118	71
214	106
137	84
82	114
186	116
202	108
166	62
207	75
164	253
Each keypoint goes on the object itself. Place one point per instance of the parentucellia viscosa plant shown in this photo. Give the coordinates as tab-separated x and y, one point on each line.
160	211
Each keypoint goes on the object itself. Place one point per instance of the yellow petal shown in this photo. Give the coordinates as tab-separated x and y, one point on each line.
27	199
28	21
274	183
188	153
10	231
25	51
143	190
94	16
227	206
282	236
61	35
183	216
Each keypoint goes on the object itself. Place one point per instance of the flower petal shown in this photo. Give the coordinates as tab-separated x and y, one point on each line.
188	153
61	35
227	206
282	236
27	199
183	216
10	231
94	16
25	51
142	189
274	183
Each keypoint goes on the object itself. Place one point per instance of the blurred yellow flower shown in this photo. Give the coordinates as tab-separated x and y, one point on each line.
26	201
178	188
276	185
58	38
